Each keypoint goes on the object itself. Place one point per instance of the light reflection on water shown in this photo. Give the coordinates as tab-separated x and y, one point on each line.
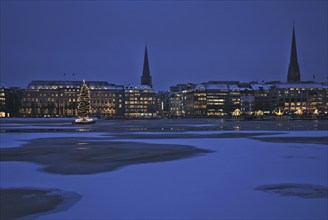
83	129
162	126
236	128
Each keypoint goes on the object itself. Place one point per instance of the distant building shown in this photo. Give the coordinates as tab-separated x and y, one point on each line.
146	77
194	101
177	102
221	99
307	97
59	99
294	74
3	112
162	103
234	98
217	99
262	97
176	108
211	100
10	101
108	102
208	99
139	101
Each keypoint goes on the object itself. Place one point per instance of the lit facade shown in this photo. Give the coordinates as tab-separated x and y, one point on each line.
59	99
2	103
10	101
223	98
162	103
307	97
176	104
216	99
139	101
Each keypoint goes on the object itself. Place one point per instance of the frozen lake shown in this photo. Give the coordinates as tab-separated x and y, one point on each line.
218	185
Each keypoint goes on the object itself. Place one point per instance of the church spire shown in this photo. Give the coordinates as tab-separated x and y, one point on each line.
146	78
294	69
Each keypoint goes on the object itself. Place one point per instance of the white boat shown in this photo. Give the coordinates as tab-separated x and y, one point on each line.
84	121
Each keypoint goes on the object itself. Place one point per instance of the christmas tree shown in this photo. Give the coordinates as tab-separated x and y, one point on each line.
84	102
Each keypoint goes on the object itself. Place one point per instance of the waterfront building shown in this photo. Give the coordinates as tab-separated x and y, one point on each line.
234	98
162	103
201	100
10	101
261	93
193	101
107	102
217	98
59	99
254	96
139	101
3	112
177	99
176	107
220	99
309	97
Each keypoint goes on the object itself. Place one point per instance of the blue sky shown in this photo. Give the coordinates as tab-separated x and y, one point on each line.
188	41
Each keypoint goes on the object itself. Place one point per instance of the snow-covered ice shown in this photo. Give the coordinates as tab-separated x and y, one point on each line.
218	185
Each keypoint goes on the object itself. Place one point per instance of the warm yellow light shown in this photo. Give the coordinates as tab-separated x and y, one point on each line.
237	112
259	113
279	112
316	112
298	112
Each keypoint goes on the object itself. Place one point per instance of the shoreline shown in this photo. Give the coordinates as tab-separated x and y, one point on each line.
161	125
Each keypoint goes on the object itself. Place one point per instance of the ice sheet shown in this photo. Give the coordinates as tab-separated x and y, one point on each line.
212	186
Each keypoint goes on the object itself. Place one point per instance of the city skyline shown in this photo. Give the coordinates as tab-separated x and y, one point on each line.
187	41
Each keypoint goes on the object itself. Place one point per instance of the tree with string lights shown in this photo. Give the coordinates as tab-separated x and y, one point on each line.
84	105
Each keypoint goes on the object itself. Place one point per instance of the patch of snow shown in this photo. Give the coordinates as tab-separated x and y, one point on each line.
218	185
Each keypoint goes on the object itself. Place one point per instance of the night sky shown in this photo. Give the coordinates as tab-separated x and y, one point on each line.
187	41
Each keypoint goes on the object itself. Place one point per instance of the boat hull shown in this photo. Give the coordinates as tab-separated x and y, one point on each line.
87	121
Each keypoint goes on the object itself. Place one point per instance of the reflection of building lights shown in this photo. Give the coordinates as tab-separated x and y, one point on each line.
83	148
236	128
83	129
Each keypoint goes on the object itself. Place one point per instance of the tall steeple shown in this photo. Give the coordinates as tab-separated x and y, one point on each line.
146	78
293	69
